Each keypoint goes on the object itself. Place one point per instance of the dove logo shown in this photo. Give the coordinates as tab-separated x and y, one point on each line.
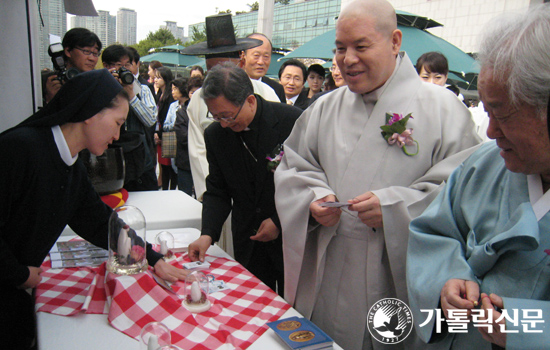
390	321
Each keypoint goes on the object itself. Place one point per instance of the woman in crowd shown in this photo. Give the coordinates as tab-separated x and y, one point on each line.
315	79
163	81
334	81
196	71
153	66
178	120
432	67
46	187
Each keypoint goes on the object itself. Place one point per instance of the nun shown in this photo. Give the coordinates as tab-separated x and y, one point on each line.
44	187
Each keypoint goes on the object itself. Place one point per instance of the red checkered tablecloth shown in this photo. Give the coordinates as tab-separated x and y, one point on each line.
237	318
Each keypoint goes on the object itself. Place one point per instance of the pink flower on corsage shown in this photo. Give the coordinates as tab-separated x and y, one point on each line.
274	159
395	132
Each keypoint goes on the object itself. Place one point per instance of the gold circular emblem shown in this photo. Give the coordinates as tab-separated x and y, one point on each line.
301	336
288	325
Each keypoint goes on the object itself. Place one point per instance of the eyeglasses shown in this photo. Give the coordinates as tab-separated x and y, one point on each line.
225	119
88	52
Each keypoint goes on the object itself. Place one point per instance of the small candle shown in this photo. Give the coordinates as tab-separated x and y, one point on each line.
124	244
195	292
164	247
153	343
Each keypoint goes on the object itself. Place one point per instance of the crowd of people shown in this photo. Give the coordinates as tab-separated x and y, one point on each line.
344	187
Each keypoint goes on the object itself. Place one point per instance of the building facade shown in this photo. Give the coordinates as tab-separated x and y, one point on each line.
293	24
104	26
463	20
126	29
55	23
302	20
176	31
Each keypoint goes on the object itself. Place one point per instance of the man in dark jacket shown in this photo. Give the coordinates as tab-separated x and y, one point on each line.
249	130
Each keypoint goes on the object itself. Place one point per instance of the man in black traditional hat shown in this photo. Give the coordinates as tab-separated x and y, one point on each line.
45	187
221	46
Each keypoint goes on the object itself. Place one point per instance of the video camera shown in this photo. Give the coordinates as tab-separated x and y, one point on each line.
56	53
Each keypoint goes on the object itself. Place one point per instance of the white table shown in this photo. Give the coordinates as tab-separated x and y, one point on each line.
93	332
163	210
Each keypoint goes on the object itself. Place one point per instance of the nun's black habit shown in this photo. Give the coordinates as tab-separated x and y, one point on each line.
41	194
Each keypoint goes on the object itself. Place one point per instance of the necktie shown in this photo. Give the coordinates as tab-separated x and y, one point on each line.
289	102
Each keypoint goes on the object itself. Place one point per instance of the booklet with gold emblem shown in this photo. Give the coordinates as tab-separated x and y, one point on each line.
301	334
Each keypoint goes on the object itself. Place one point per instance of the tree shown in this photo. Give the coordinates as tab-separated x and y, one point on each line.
226	11
162	35
197	36
282	2
160	38
254	7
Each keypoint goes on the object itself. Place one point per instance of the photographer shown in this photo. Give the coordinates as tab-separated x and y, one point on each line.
81	50
140	166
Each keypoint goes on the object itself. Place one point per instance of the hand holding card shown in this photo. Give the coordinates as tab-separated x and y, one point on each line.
334	204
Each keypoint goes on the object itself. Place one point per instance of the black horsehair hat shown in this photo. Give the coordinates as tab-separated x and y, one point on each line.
220	39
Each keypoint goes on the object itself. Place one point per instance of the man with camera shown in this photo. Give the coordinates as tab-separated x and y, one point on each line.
135	137
78	52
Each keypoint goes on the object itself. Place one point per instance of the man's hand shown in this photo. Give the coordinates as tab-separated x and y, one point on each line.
34	278
368	209
324	215
488	302
52	87
459	294
197	249
129	89
268	231
169	272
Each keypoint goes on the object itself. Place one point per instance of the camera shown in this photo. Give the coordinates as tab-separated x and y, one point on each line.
60	67
125	76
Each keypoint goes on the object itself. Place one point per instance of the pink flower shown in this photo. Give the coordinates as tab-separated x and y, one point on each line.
137	252
405	138
396	117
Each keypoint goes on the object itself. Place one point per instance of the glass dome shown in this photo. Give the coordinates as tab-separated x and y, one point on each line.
196	292
154	336
127	244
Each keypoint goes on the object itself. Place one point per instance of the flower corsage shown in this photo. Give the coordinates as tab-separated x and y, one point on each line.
274	159
395	131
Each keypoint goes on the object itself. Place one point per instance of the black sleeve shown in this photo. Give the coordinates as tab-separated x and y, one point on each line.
216	204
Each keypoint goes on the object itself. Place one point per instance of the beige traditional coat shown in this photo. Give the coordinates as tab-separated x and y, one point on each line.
335	274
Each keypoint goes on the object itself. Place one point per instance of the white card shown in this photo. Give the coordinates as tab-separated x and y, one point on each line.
196	265
334	204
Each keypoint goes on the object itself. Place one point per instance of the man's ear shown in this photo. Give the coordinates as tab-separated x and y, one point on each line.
396	38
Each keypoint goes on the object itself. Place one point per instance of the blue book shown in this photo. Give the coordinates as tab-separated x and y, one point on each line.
301	334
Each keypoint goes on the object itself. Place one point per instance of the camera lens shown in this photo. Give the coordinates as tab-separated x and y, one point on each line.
126	77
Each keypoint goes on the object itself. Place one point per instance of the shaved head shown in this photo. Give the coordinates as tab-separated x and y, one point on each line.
380	10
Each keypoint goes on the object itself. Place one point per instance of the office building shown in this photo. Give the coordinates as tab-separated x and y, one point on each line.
103	25
302	20
55	22
293	24
126	29
176	31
